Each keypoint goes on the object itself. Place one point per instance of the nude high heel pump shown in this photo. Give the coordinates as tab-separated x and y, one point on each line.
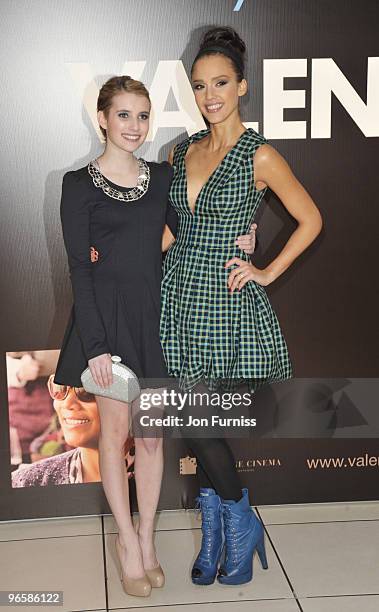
139	587
156	577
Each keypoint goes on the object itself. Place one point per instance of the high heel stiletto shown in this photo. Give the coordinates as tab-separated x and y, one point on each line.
156	577
244	534
138	587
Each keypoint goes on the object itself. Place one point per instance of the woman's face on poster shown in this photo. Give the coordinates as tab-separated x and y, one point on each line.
79	420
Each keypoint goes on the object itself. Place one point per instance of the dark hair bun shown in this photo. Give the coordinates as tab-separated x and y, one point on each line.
224	36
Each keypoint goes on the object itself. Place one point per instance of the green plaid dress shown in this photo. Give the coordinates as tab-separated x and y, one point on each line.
207	334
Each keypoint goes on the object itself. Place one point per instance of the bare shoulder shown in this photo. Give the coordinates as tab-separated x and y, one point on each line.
266	154
198	148
269	165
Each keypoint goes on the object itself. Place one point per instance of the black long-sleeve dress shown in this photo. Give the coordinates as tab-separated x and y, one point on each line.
116	298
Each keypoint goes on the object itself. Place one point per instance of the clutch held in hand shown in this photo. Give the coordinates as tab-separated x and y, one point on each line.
125	386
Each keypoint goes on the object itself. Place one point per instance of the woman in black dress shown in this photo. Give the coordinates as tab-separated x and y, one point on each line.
115	210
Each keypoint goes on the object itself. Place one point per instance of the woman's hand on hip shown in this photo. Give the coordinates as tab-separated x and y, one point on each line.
245	272
101	369
247	242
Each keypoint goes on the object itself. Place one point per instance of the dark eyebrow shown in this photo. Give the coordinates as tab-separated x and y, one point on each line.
221	76
124	110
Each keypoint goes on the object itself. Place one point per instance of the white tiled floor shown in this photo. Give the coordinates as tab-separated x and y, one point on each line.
322	558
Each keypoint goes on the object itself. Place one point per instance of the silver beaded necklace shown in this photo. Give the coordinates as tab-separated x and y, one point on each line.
131	195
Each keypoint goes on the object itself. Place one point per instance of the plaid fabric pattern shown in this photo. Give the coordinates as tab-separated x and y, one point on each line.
208	334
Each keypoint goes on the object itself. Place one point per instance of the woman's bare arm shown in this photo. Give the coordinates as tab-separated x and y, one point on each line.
272	170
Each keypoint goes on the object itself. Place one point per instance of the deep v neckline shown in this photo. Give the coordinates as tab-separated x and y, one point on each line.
211	176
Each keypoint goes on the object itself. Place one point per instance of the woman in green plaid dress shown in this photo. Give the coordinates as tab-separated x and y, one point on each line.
209	334
217	324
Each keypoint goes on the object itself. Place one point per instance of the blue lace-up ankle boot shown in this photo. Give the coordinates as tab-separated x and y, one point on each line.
206	565
243	534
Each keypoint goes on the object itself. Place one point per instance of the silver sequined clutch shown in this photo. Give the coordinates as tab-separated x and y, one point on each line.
125	386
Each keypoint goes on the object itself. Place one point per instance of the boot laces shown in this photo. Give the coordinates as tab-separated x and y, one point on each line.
233	548
207	516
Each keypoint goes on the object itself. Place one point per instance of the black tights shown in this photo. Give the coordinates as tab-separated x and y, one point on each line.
216	467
